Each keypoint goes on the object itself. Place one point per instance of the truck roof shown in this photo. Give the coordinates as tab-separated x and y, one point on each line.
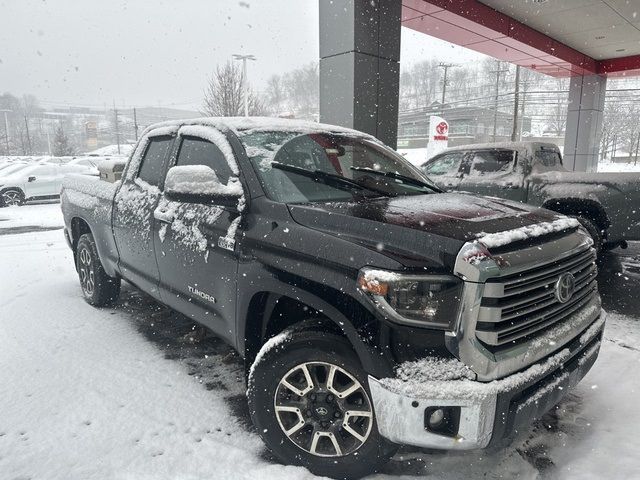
530	145
258	124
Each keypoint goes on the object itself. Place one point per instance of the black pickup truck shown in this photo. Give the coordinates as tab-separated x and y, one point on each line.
372	309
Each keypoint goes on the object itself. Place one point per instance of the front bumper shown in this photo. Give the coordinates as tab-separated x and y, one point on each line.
489	411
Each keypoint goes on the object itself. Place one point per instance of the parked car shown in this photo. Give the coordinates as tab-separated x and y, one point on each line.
533	173
40	181
371	308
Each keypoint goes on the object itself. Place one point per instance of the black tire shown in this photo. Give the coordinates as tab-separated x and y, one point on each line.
12	197
594	231
320	352
98	288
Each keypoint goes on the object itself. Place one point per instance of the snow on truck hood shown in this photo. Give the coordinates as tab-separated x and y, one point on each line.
445	221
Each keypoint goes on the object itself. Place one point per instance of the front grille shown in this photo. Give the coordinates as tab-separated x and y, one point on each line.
517	306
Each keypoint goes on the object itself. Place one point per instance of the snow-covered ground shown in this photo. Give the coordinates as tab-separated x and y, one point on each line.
120	393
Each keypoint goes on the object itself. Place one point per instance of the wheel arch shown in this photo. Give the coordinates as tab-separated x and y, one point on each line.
580	206
271	312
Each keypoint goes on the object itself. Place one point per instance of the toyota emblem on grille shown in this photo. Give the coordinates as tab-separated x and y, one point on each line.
565	286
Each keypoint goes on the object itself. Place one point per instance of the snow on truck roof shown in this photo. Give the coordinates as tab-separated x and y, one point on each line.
256	124
501	146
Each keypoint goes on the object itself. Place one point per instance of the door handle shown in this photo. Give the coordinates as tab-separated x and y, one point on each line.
163	215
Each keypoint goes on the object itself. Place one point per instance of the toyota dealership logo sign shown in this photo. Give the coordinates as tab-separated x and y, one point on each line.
442	128
439	129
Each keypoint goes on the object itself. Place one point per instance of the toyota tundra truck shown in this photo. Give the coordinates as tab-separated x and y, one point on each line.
533	173
372	310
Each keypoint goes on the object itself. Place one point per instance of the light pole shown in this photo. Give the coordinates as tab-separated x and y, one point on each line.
6	129
245	83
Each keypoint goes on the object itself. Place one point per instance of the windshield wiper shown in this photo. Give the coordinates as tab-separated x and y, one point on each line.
398	176
327	178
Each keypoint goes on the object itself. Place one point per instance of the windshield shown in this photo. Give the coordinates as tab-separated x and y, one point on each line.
363	168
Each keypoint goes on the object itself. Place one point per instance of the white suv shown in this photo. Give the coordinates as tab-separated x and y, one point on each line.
35	182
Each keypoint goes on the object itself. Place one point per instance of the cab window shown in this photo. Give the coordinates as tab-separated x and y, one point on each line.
492	162
153	160
549	158
196	151
447	164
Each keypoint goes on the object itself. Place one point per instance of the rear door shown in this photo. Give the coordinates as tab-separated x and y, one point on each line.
445	170
133	220
493	173
195	245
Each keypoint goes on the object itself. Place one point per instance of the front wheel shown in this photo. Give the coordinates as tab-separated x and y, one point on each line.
310	401
98	288
594	231
12	197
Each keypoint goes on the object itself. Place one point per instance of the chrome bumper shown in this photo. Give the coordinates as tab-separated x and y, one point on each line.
400	405
400	419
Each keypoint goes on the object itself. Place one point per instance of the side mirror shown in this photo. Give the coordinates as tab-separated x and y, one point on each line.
31	179
200	184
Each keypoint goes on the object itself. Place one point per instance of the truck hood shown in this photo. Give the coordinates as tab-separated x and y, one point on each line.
417	229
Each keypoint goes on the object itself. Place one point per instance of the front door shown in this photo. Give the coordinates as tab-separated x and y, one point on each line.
195	245
493	173
42	181
133	219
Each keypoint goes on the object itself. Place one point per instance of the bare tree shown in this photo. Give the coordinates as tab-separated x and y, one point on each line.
224	96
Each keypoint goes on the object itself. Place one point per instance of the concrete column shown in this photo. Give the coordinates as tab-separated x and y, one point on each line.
360	65
584	122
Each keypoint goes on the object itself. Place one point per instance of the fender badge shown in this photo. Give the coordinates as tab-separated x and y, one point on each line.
227	243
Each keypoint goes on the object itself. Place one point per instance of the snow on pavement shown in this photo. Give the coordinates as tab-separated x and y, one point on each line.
44	216
90	398
118	393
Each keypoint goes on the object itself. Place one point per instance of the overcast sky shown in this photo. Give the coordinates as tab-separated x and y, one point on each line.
154	52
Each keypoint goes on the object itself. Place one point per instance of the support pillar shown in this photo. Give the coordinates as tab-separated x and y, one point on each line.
360	65
584	122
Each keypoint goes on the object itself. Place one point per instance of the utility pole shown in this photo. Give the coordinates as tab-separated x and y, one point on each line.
498	71
49	143
245	82
26	126
445	67
115	113
6	129
135	122
516	100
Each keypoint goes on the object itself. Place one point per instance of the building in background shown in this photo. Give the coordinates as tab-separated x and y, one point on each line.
467	124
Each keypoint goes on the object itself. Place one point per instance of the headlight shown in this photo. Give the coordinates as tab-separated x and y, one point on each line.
420	300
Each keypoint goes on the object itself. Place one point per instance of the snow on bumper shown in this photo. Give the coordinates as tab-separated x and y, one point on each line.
400	403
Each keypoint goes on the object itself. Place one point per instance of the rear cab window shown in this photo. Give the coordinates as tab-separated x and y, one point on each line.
486	163
548	157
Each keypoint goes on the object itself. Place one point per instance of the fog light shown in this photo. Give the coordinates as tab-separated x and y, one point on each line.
442	420
436	418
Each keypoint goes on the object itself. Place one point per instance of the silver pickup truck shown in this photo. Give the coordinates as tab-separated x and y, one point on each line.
532	172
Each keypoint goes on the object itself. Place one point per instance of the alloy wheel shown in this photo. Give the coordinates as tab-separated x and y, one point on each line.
11	198
87	280
323	409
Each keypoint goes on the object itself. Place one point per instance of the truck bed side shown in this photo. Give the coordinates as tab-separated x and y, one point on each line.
87	206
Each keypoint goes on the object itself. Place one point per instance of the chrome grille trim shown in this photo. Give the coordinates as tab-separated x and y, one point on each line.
481	279
529	304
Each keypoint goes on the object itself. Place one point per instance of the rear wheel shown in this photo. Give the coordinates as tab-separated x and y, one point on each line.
98	288
310	401
12	197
